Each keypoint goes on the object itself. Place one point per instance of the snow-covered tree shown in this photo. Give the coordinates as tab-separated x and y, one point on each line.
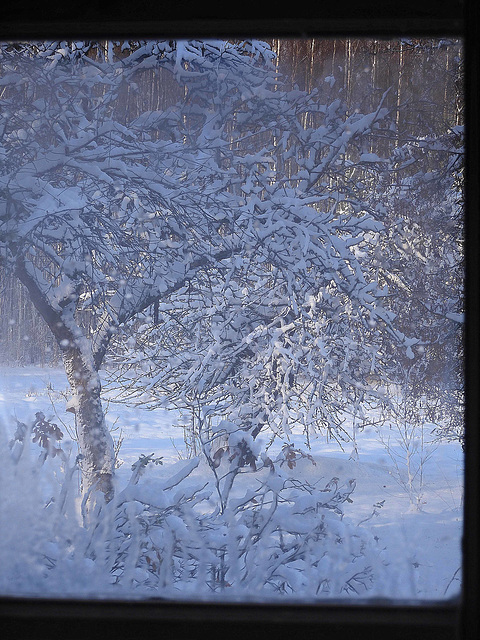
287	331
238	222
423	266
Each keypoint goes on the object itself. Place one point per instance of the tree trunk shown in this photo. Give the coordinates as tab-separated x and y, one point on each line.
95	442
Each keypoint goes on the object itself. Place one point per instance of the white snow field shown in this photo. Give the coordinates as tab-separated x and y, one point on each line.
421	545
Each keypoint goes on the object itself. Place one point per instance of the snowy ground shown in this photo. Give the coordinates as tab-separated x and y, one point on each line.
426	541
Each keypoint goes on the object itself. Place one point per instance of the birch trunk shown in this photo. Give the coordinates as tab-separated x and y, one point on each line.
95	442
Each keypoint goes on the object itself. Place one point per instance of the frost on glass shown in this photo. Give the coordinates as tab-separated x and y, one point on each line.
231	315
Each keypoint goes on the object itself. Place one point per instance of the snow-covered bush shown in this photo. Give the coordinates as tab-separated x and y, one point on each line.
288	537
172	536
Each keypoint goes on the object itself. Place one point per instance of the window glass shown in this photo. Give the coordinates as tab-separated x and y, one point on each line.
231	319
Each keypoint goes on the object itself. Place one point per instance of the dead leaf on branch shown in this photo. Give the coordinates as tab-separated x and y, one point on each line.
47	434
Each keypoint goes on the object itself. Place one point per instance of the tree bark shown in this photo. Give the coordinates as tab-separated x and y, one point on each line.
95	442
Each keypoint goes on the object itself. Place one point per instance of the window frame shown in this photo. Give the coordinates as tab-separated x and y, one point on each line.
457	618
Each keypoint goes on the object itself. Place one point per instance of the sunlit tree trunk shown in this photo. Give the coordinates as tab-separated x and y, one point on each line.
95	442
94	439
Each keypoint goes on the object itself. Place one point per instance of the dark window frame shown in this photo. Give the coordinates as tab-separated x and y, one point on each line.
457	618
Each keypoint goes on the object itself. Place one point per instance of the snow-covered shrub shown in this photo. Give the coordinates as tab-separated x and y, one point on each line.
173	537
286	538
410	447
